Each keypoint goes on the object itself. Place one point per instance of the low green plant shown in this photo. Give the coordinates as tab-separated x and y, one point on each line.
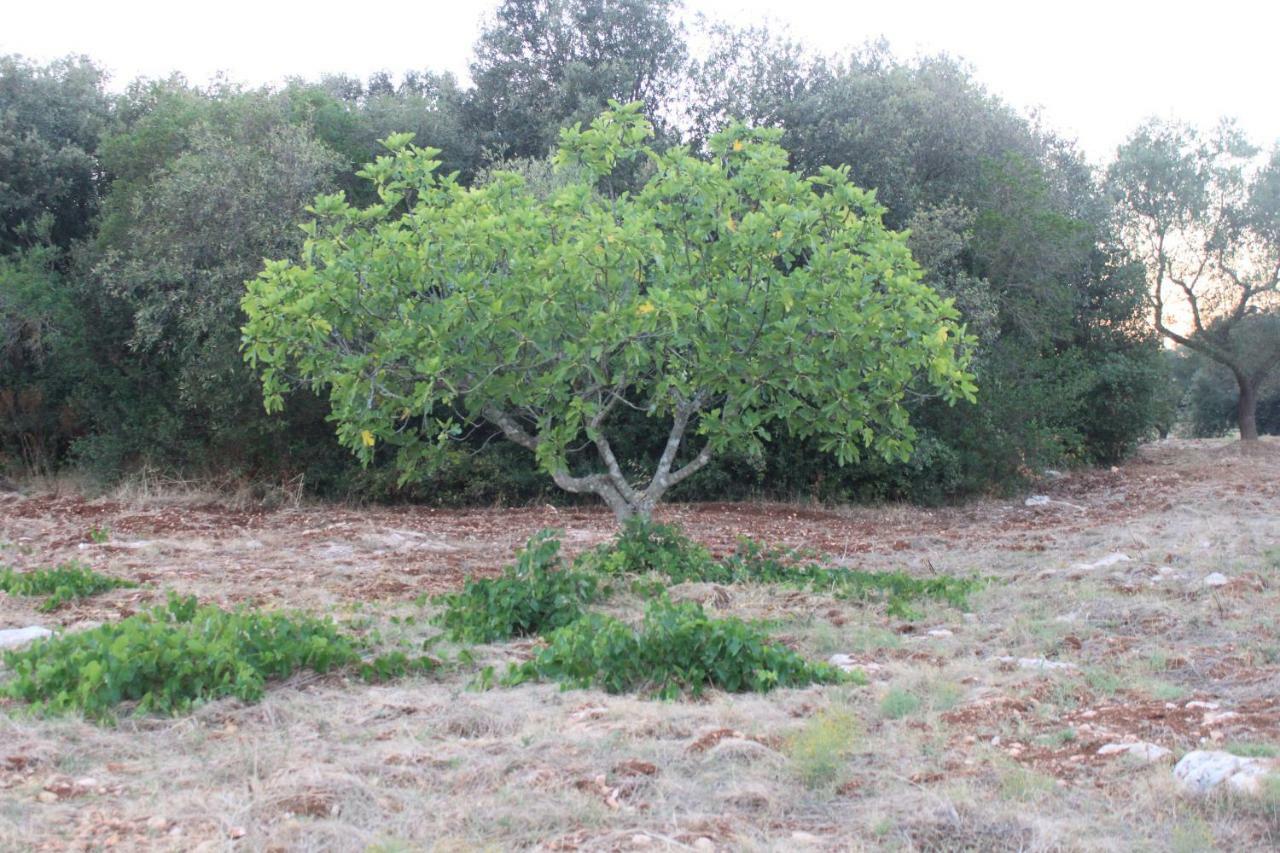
645	546
819	750
1248	749
63	583
171	657
899	703
678	649
99	535
536	595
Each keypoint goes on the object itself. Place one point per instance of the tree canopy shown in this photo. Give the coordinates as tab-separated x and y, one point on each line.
1203	216
728	296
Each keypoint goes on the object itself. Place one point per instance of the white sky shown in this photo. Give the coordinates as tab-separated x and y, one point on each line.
1094	68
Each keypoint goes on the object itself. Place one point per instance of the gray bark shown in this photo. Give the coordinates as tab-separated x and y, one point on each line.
612	487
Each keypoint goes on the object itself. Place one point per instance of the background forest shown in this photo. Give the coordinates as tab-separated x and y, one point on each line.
129	223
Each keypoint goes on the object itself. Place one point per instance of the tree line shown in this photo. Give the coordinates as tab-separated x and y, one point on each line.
130	222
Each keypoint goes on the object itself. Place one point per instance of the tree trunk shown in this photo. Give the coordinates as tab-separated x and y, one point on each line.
1247	409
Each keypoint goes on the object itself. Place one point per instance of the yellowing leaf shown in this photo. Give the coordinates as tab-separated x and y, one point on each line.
737	145
941	335
367	438
644	308
733	225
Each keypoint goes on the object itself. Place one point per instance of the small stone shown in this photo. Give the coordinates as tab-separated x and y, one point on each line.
703	843
1214	717
641	840
159	824
1148	752
1037	500
849	664
1216	579
940	632
1036	663
1208	706
742	749
12	638
47	797
802	837
1109	560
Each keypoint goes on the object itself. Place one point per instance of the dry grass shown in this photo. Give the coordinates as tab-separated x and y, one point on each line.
981	755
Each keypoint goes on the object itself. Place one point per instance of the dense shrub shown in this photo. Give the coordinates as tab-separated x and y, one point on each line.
678	649
129	221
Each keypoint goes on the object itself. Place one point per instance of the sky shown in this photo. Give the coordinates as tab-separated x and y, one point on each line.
1092	69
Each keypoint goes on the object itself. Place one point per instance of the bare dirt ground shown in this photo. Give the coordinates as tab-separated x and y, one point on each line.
953	745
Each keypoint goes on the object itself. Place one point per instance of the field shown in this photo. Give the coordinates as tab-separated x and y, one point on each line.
978	730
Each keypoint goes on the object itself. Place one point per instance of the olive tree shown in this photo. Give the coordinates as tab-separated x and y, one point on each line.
1203	216
727	295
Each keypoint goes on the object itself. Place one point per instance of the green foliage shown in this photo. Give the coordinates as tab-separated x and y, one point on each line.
1201	212
1210	394
51	120
45	357
899	703
534	596
541	65
394	665
129	221
678	649
645	546
820	750
177	244
726	297
1005	218
171	657
62	584
1248	749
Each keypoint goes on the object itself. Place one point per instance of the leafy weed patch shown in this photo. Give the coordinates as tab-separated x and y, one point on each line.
62	584
534	596
172	657
645	546
678	649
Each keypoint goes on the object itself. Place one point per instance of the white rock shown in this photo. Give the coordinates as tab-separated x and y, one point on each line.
1202	771
1216	579
940	632
1109	560
1208	706
11	638
1214	717
1036	663
1038	500
1148	752
849	663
